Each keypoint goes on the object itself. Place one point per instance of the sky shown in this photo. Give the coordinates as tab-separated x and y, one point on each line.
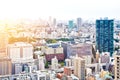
60	9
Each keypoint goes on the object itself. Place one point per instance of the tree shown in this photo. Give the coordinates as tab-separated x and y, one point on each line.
46	64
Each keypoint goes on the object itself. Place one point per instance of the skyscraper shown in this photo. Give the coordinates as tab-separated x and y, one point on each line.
54	22
71	24
3	44
79	23
5	66
104	35
5	62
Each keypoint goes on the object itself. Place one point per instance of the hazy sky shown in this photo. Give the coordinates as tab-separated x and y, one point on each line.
60	9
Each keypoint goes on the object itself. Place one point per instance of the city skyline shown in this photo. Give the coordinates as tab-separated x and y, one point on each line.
60	9
59	40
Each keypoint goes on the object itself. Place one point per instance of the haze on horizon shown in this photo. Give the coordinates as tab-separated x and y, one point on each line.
60	9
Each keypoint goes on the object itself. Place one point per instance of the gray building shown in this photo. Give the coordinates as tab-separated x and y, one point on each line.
82	49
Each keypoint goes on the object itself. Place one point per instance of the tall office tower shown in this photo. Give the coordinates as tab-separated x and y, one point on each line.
79	23
52	22
71	24
3	44
79	68
5	63
88	59
104	36
117	66
5	66
54	63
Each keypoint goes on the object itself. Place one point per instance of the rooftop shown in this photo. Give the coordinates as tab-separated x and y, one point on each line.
18	44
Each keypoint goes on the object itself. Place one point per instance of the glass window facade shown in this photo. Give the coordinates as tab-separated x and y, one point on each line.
104	36
71	24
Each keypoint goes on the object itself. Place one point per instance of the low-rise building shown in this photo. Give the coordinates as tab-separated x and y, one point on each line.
52	52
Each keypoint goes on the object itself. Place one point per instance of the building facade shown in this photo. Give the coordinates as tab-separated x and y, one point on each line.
71	24
54	63
5	66
52	52
117	66
5	62
20	50
3	44
79	68
81	49
104	36
79	23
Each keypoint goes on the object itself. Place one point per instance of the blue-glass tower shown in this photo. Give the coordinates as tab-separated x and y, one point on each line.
104	36
71	24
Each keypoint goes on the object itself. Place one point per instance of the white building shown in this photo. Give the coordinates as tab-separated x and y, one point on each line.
41	63
20	50
50	50
88	59
59	50
54	63
88	71
79	68
68	62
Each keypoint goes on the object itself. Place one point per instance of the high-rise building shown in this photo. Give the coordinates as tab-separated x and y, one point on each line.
5	62
117	66
79	68
79	23
3	44
71	24
104	35
41	63
19	51
5	66
54	22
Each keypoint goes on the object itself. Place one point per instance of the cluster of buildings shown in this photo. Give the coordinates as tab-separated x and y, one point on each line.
52	29
90	56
